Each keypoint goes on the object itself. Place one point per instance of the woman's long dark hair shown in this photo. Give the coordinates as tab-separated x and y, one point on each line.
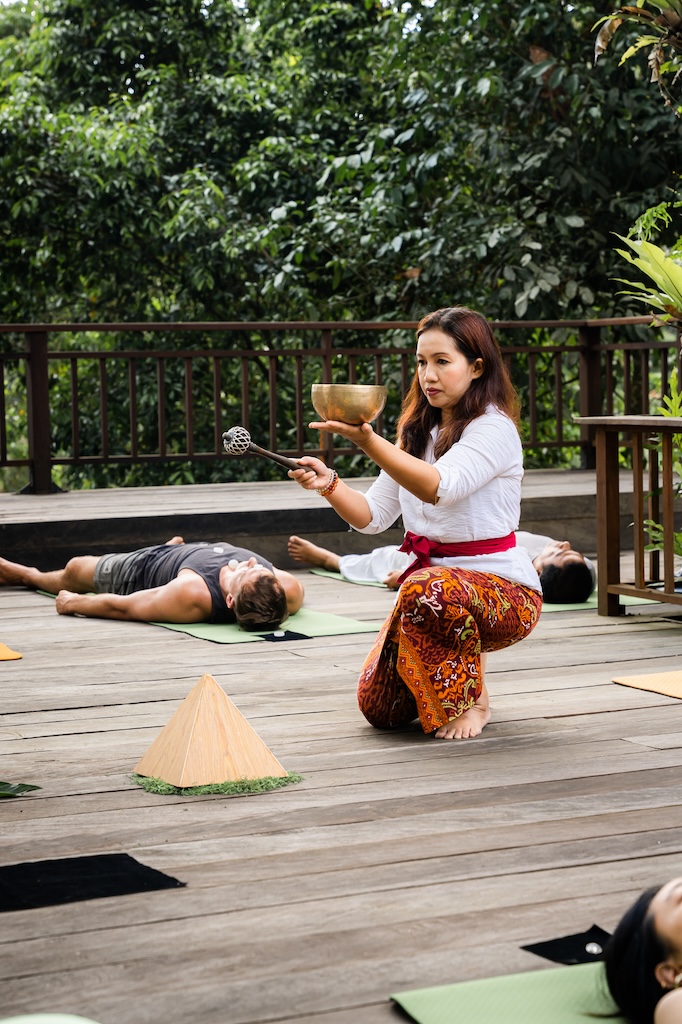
630	959
472	335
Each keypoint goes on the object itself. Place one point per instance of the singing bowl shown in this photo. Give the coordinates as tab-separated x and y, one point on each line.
349	403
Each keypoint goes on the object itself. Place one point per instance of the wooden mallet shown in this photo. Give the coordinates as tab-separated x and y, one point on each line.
237	441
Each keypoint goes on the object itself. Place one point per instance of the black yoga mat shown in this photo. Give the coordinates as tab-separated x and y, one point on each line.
47	883
580	948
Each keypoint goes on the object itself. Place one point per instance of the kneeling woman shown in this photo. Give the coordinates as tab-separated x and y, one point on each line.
643	957
455	477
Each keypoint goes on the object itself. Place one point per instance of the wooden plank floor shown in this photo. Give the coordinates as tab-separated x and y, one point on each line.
398	862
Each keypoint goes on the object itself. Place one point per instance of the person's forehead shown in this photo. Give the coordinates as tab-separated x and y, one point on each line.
434	338
254	570
666	891
572	556
555	549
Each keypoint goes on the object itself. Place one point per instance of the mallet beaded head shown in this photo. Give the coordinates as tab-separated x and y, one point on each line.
236	440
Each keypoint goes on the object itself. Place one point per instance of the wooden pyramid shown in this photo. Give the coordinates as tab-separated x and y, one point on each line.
206	742
7	654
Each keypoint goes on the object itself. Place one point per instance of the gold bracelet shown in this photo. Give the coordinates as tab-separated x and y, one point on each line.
333	481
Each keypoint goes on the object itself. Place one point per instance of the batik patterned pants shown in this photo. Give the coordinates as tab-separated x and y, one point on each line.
426	661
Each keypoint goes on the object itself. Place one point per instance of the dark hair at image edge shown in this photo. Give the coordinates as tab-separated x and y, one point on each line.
473	336
261	604
566	584
630	960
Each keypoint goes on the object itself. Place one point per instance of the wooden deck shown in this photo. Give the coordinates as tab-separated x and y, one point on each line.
398	862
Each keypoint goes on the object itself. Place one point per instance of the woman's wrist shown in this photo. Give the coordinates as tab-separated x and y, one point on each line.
367	436
330	486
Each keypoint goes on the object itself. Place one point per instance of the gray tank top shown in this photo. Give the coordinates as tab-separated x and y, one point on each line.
163	563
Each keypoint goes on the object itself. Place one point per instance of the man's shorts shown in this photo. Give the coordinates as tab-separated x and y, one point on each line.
119	573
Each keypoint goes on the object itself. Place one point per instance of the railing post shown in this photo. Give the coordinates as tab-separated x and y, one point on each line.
326	344
608	521
38	413
589	379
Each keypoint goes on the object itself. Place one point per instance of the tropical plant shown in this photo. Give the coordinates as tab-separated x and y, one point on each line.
662	33
664	270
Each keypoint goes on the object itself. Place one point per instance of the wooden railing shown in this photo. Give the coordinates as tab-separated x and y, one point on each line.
655	445
145	401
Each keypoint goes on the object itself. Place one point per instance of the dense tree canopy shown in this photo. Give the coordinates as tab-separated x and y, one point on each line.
188	159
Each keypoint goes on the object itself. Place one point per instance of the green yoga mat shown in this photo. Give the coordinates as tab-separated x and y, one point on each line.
590	603
304	624
337	576
559	995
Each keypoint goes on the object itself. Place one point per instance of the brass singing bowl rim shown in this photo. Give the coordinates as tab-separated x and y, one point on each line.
336	396
350	387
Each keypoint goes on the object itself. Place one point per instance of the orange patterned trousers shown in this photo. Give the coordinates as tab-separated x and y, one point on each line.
426	661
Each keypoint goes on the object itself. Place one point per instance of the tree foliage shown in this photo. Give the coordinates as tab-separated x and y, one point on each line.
660	25
277	159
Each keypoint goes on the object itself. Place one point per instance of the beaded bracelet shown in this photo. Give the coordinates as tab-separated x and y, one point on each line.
333	481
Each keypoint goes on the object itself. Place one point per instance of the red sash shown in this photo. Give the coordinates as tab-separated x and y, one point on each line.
424	549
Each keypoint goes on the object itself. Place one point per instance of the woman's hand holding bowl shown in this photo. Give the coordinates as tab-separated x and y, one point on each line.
357	433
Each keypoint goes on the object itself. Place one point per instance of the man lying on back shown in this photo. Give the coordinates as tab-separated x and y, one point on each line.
173	582
566	575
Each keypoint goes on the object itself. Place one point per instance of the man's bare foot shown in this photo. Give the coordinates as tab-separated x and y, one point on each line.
303	551
175	540
11	573
470	723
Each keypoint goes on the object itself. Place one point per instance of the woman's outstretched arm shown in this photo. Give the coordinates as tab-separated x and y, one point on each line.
416	476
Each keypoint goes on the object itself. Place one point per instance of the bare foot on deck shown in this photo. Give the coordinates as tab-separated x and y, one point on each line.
303	551
470	723
11	574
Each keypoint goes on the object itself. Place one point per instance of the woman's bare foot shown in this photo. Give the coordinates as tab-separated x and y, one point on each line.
470	723
175	540
303	551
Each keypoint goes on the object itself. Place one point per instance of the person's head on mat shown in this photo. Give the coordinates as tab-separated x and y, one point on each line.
257	597
566	576
643	957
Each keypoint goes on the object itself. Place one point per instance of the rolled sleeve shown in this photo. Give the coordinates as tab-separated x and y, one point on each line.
383	498
489	448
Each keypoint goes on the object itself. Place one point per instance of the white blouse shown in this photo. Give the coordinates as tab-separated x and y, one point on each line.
479	497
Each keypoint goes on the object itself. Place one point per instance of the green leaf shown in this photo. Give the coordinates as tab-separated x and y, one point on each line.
642	41
662	270
9	789
574	220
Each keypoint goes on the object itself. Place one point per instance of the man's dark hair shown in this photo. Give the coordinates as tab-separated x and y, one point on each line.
261	603
566	584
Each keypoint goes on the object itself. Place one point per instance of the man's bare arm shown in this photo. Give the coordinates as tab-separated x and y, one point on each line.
184	599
